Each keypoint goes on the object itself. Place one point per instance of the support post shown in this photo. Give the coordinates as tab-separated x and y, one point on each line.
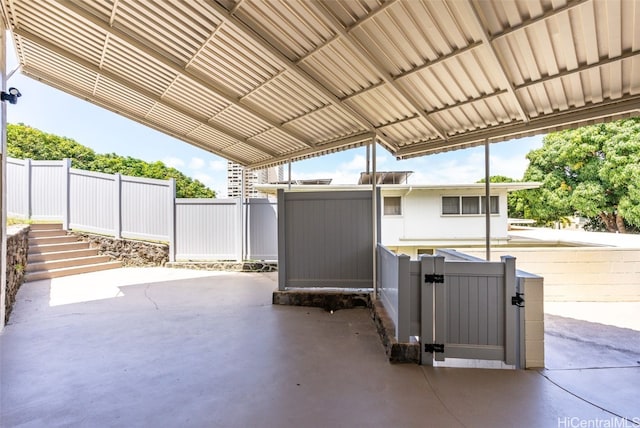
289	180
282	253
3	177
487	201
374	219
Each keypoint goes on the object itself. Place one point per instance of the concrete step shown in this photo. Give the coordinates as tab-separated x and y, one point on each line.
46	248
47	233
64	263
57	273
57	255
46	226
52	240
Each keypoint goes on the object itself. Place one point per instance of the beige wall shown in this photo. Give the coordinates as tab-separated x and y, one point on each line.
579	274
534	322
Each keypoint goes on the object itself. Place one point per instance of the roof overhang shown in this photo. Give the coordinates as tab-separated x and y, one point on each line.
272	189
263	82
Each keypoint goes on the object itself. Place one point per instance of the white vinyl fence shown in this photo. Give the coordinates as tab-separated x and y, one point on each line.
142	208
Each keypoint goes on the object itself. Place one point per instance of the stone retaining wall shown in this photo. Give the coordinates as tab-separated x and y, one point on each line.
131	253
227	266
17	249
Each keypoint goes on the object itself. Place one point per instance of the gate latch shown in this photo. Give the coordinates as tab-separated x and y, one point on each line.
434	278
517	300
433	347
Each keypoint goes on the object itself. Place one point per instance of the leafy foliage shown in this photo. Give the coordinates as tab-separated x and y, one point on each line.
593	171
25	142
517	206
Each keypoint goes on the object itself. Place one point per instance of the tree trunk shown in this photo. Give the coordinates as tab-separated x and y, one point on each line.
620	224
609	222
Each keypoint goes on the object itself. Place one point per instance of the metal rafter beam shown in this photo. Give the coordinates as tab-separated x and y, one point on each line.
291	66
36	75
351	141
378	67
573	117
177	68
568	6
585	67
494	54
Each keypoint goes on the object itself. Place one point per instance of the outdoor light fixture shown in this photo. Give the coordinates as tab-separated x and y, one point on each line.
11	96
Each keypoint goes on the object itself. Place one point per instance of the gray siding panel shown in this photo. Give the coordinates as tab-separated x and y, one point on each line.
328	239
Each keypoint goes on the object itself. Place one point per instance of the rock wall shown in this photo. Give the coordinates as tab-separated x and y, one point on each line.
131	253
228	266
17	249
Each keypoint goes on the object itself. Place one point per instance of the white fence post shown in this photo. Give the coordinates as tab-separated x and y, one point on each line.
239	247
27	170
510	319
67	197
117	202
172	219
427	267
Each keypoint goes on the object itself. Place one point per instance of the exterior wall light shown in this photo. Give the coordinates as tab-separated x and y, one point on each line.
12	95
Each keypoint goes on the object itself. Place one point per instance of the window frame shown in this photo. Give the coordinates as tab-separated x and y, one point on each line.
398	206
461	205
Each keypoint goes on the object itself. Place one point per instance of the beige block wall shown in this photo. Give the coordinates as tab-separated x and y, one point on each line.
534	321
579	274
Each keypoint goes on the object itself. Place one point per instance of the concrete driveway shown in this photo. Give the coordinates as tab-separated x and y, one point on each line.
178	348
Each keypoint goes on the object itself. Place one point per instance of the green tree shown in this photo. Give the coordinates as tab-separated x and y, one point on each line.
517	205
25	142
593	171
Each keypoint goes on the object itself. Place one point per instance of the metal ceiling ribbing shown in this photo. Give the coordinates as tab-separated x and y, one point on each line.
262	82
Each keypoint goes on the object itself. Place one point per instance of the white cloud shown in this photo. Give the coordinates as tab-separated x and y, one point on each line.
173	162
196	163
218	165
217	183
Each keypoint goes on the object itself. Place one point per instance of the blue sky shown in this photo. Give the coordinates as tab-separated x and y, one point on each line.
55	112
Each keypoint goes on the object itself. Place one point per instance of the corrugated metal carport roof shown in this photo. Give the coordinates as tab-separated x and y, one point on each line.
264	81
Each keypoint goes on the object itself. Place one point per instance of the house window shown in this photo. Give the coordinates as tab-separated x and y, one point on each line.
494	205
392	205
468	205
450	205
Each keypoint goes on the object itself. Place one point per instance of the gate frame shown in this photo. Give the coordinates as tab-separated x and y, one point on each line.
434	312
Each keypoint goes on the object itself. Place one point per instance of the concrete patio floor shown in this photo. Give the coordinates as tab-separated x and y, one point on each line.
176	348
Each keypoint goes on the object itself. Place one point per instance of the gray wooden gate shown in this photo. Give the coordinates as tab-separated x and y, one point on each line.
467	310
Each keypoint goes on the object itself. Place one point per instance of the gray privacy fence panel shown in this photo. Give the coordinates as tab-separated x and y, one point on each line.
147	206
92	202
208	229
399	287
18	189
325	239
49	186
262	221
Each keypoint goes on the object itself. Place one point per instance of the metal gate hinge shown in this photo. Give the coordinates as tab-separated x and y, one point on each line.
435	278
517	300
433	347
